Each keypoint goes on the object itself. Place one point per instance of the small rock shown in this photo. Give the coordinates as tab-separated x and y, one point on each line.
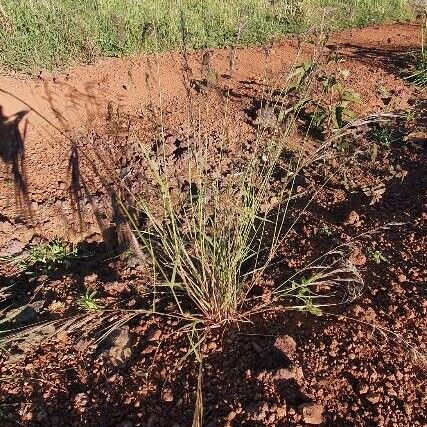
116	347
231	415
281	412
115	288
42	278
80	402
37	305
149	349
14	247
154	335
266	117
283	374
286	344
212	346
362	388
373	398
391	392
353	218
91	278
370	315
167	395
22	315
298	372
274	200
401	278
357	257
416	137
312	413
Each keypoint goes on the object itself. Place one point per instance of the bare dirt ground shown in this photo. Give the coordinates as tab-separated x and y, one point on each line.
358	365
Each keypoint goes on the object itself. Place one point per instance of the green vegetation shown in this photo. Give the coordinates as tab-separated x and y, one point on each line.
382	133
329	107
325	230
334	111
419	74
50	33
47	258
378	257
89	302
304	293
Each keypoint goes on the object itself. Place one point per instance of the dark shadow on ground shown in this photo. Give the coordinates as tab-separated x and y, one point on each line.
394	61
12	154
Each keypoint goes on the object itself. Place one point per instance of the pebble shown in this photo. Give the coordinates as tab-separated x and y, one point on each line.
155	335
353	219
312	413
167	395
373	398
401	278
231	415
283	374
357	257
212	345
363	388
286	344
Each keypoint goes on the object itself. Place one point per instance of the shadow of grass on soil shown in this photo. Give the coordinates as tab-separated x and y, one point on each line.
12	154
397	62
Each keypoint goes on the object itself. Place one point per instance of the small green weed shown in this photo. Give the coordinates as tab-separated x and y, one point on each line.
378	257
301	290
325	230
47	257
335	111
410	115
89	302
329	107
299	76
419	74
382	133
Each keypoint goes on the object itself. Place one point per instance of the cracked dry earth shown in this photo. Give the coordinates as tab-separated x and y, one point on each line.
361	364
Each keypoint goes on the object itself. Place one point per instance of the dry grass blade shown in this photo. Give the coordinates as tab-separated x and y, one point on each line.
198	407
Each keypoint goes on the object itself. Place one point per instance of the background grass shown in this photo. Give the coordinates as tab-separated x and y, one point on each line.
50	33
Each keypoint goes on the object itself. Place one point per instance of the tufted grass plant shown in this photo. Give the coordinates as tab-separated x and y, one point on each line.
209	246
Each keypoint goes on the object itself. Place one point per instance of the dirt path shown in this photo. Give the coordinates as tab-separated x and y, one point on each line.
47	112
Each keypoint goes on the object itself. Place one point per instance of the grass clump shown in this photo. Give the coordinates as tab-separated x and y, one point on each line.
419	59
50	33
212	248
211	244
